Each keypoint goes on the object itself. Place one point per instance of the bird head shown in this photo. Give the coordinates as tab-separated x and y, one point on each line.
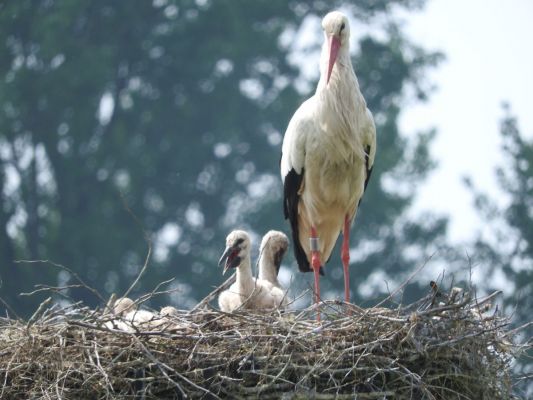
237	246
123	305
337	31
169	311
274	245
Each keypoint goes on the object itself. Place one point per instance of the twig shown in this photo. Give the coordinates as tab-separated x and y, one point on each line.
148	242
405	282
70	271
37	314
207	299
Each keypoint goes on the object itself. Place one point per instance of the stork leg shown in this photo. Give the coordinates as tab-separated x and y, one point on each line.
315	263
345	256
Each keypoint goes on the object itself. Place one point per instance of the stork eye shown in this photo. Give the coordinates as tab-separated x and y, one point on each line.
342	27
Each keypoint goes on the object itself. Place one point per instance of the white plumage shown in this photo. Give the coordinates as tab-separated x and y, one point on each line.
247	292
273	247
327	155
123	306
169	311
130	319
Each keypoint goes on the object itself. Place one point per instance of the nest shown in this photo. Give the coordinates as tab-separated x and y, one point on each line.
442	347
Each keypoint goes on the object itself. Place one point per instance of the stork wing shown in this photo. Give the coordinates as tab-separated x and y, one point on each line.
292	173
369	143
294	141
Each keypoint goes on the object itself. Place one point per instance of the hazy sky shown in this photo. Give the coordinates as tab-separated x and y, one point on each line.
489	59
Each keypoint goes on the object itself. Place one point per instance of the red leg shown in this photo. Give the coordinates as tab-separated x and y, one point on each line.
315	263
345	256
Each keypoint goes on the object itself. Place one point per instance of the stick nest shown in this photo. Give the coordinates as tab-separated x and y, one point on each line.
441	347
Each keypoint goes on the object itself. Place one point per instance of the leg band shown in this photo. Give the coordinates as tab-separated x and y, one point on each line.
313	244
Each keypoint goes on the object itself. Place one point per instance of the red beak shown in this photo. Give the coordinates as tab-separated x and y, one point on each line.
334	45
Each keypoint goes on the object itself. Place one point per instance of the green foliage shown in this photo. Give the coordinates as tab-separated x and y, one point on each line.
198	96
507	244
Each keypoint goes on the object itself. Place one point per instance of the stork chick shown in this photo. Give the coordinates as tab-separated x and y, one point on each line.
129	317
273	247
327	157
169	311
123	305
247	291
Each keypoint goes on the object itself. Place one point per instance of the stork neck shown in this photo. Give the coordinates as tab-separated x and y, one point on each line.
244	278
342	70
267	269
339	104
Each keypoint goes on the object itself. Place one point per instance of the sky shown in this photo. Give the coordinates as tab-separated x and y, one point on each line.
489	60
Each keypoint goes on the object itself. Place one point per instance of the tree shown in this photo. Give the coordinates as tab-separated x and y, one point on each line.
507	243
124	118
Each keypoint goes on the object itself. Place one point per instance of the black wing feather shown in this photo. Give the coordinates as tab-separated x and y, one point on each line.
368	170
291	185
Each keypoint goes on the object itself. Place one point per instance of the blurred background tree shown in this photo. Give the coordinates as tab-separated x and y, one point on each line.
505	246
178	109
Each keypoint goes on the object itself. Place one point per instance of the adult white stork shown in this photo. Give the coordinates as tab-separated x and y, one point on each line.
327	157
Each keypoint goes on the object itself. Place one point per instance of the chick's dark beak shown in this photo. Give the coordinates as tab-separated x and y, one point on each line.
278	257
230	258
